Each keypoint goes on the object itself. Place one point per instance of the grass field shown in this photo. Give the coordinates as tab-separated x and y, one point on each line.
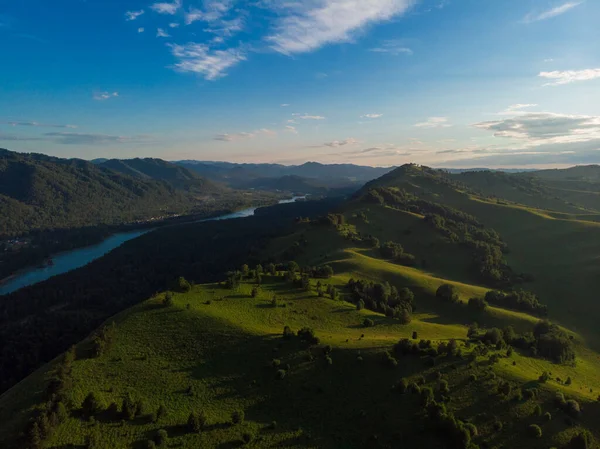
220	344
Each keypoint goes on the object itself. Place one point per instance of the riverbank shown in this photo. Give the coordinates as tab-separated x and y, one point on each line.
70	260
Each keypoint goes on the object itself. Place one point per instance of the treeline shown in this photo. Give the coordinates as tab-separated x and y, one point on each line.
546	340
33	330
383	298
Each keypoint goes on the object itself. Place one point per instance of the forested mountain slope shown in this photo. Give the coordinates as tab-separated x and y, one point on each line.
39	192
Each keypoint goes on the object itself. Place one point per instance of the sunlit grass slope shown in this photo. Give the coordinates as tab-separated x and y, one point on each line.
220	344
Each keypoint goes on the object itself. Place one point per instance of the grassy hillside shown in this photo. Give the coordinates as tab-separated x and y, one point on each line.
213	351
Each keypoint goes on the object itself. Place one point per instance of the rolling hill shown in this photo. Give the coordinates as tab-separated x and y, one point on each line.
408	310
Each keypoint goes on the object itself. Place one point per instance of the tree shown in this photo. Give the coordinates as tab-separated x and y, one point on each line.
161	412
90	405
259	269
128	408
183	286
307	334
195	423
368	322
477	304
293	266
404	316
237	417
288	333
34	436
535	431
448	293
254	292
161	437
168	300
271	269
360	304
245	270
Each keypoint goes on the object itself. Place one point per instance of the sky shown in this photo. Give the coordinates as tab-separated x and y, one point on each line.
445	83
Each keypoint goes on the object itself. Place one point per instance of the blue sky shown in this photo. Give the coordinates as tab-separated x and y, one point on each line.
455	83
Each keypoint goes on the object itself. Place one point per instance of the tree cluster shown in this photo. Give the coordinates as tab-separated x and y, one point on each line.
383	298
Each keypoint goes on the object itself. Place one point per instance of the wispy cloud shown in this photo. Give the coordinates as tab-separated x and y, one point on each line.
141	30
67	138
101	96
291	129
570	76
132	15
308	117
162	33
341	143
434	122
15	138
393	47
516	109
284	105
199	58
245	135
307	26
36	124
373	116
212	12
167	8
546	128
554	12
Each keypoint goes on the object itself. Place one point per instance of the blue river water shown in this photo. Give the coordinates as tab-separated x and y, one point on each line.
71	260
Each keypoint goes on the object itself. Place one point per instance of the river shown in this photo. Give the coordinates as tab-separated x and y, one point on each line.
71	260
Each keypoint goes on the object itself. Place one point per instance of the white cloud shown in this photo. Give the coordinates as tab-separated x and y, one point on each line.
167	8
393	47
291	129
341	143
549	60
198	58
101	96
132	15
141	30
371	116
292	121
162	33
284	105
307	26
434	122
174	25
556	11
308	117
570	76
245	135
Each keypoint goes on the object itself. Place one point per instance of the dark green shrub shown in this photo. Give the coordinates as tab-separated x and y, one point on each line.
472	377
280	374
161	412
547	416
196	422
444	388
149	445
448	293
402	386
498	426
572	408
537	410
415	335
545	377
112	410
275	363
308	335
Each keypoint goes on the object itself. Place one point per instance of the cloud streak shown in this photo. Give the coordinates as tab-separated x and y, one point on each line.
393	47
570	76
307	26
308	117
245	135
37	124
549	14
371	116
102	96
